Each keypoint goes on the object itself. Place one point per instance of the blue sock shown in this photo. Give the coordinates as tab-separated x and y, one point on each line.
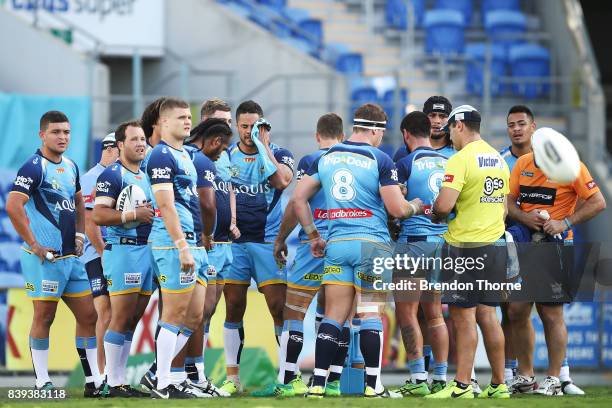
417	369
511	363
370	342
440	368
325	349
565	363
295	342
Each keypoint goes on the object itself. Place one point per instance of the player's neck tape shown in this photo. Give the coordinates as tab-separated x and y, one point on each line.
369	124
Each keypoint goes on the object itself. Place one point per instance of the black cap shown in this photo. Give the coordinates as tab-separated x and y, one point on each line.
466	113
437	104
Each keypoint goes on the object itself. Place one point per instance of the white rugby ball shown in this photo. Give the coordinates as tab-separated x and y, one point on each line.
555	155
129	198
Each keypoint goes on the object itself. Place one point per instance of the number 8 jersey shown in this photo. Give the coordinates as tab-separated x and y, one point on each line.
351	175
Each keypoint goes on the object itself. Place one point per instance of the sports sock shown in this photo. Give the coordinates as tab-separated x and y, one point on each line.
233	341
292	340
325	349
319	315
335	369
165	347
199	365
153	369
125	353
371	348
177	375
278	330
113	349
190	369
40	359
461	385
564	374
427	354
473	377
206	329
181	339
510	367
440	368
87	349
417	370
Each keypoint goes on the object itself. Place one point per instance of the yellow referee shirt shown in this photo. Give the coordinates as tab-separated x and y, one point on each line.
481	176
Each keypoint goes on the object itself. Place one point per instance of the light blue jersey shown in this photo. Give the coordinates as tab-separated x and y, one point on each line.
422	172
258	207
317	203
51	188
509	157
88	186
110	184
351	175
446	151
167	165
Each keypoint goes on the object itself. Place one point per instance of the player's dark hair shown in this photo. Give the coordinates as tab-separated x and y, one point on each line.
122	128
521	109
172	103
249	107
329	126
52	117
150	116
210	106
370	111
212	127
417	124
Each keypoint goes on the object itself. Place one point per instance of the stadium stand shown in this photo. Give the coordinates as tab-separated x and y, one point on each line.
530	61
444	32
475	66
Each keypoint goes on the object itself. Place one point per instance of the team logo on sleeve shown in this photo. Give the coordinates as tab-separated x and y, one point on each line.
102	186
288	161
161	173
23	182
394	175
300	174
448	178
591	185
209	175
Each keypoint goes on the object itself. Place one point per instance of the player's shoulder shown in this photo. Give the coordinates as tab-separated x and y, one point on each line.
34	161
506	152
112	171
524	160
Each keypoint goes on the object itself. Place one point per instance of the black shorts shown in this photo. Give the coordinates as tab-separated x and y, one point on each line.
476	273
95	275
547	273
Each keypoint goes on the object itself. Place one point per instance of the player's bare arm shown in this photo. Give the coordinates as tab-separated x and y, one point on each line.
15	208
303	192
164	196
288	224
396	204
589	209
233	227
208	212
531	219
105	214
79	205
281	179
445	202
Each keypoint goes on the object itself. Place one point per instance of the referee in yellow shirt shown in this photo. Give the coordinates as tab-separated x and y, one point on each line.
474	187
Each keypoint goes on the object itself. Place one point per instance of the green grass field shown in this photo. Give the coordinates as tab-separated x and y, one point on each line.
596	397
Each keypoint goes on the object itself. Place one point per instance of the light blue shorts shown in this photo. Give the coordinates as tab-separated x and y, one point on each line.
306	272
167	268
52	280
354	263
219	262
127	269
254	260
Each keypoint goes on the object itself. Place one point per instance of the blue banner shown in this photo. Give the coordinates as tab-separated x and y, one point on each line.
19	126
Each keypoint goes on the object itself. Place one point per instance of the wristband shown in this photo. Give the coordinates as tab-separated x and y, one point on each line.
80	235
185	248
413	207
308	229
567	223
123	220
179	240
313	235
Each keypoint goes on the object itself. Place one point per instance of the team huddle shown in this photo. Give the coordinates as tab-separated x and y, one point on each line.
185	210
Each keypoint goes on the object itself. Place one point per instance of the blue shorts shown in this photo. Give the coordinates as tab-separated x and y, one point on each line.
254	260
52	280
219	262
97	281
201	258
306	272
354	263
127	269
167	268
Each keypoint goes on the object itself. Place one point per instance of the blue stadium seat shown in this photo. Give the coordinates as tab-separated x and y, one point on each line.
350	63
272	21
506	27
388	104
462	6
302	45
474	72
494	5
396	13
332	51
530	61
275	4
296	15
314	28
444	32
364	94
